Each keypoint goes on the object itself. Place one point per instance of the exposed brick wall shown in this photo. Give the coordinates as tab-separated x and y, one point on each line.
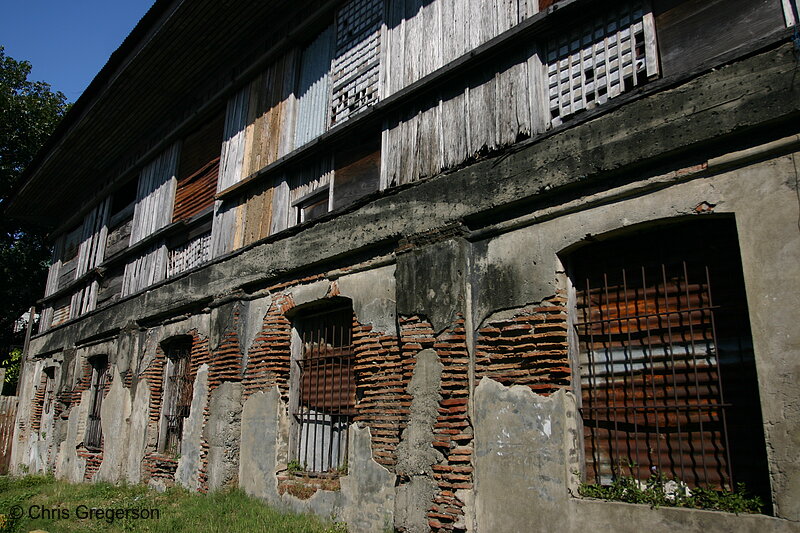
93	461
38	404
529	348
156	465
452	433
269	357
160	467
382	376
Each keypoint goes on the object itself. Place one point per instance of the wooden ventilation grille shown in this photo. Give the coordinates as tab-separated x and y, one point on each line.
326	391
189	255
600	60
355	73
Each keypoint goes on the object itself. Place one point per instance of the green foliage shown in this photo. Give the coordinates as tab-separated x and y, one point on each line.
11	364
658	491
295	467
179	509
29	112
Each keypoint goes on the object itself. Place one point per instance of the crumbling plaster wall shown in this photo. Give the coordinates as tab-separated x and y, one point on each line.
517	266
763	198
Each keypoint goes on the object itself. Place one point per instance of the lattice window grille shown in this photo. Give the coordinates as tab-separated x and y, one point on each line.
600	60
189	255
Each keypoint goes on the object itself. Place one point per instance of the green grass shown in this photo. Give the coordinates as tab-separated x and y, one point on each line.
178	509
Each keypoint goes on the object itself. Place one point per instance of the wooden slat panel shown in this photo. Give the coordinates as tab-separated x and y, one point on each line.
691	32
189	255
313	91
110	287
8	416
156	195
145	270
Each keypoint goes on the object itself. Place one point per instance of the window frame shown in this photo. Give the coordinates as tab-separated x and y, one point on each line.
302	446
177	393
93	436
758	475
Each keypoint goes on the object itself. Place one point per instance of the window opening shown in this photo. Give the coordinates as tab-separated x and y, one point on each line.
178	393
667	373
49	388
94	430
326	391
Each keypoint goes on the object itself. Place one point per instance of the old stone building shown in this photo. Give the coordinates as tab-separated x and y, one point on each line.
429	264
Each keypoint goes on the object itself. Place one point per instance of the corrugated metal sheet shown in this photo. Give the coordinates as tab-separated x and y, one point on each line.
313	91
196	192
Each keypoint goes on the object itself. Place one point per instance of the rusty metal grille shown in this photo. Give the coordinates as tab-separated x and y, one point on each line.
178	396
94	430
656	349
326	398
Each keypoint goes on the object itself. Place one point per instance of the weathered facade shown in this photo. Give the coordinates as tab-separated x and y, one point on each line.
429	265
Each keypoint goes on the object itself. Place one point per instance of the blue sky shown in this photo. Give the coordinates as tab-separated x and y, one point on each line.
67	42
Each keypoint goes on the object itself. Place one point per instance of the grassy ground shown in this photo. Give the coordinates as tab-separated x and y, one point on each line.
55	506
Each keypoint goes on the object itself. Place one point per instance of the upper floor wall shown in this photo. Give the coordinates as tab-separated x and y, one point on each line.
446	82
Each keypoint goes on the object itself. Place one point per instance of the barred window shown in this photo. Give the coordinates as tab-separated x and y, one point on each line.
325	390
94	430
177	393
667	372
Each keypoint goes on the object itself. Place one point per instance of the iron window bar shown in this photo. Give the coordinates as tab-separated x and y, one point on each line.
645	342
326	393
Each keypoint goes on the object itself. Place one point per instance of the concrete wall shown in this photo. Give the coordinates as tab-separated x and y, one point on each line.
447	437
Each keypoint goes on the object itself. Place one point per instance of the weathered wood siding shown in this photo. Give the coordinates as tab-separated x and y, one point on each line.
148	268
423	36
691	32
227	216
156	195
8	415
494	107
313	90
153	211
270	117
